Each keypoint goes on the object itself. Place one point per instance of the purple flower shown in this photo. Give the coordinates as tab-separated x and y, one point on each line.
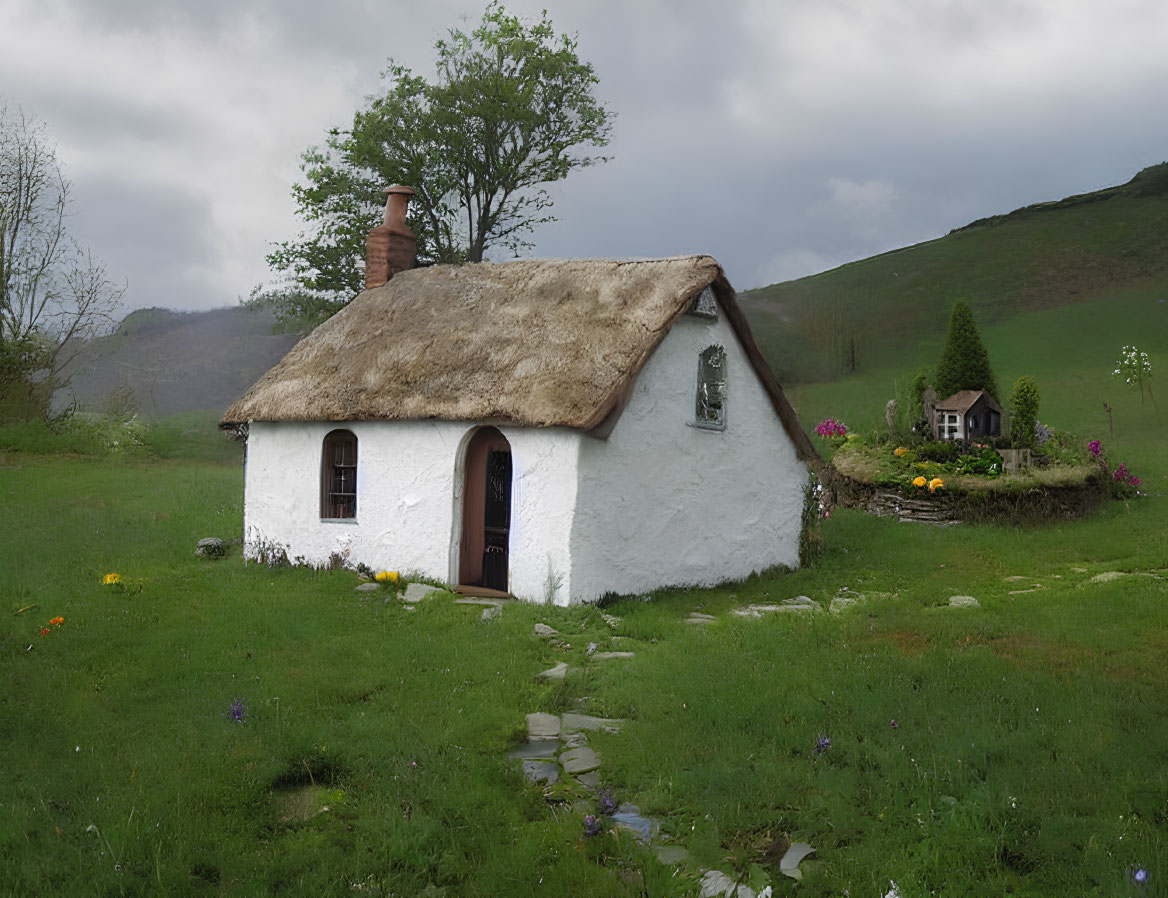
1094	448
1141	875
606	803
830	427
822	745
591	826
892	723
237	711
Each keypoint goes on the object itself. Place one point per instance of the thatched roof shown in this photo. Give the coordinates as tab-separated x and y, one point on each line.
964	400
533	343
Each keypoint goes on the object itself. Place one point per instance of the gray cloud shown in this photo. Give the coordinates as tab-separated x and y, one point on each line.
782	138
160	239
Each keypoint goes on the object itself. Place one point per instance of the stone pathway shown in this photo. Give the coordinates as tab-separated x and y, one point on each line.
557	752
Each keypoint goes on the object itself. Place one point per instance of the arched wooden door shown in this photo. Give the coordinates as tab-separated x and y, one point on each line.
486	511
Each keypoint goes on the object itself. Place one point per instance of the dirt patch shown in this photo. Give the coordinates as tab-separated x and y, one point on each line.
909	642
1066	658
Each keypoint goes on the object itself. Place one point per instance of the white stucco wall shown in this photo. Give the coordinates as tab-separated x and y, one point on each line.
409	486
662	502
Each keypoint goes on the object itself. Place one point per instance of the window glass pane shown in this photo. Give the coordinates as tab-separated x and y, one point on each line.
710	408
339	475
704	305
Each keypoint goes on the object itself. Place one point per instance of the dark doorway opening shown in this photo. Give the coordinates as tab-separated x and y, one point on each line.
486	512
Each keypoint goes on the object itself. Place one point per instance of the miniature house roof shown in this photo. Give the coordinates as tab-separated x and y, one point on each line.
964	400
535	343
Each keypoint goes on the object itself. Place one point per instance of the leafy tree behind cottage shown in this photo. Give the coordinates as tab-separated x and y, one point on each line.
511	108
965	364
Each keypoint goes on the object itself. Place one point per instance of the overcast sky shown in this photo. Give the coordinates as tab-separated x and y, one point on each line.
784	137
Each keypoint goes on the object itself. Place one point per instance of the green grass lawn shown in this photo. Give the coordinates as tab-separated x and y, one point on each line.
1030	755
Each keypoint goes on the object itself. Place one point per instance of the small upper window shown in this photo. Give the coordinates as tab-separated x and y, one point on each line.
710	411
338	475
704	305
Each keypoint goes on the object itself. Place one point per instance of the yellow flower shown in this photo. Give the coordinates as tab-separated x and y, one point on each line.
57	621
111	578
920	481
386	577
900	452
935	484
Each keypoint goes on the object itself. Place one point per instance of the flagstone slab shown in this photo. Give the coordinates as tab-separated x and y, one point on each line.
542	726
494	603
571	722
799	603
579	760
367	587
543	631
591	780
539	771
611	656
963	602
555	673
539	748
415	592
629	817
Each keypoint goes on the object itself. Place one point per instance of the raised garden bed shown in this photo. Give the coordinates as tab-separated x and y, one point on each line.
940	484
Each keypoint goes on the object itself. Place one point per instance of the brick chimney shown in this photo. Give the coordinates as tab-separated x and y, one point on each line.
391	247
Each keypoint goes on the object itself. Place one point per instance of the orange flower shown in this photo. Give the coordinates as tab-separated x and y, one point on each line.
45	631
935	484
920	481
900	452
57	621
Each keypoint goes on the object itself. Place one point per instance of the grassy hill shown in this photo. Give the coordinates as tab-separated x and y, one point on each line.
1104	248
161	362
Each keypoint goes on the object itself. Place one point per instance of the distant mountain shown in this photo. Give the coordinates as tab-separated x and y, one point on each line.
1038	257
160	362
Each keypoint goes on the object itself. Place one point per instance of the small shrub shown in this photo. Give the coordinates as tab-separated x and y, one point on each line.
979	460
810	532
1024	401
965	364
939	451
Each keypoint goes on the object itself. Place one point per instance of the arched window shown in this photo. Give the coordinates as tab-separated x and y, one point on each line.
338	475
710	409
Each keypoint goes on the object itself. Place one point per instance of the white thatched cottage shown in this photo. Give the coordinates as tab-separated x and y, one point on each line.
556	430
